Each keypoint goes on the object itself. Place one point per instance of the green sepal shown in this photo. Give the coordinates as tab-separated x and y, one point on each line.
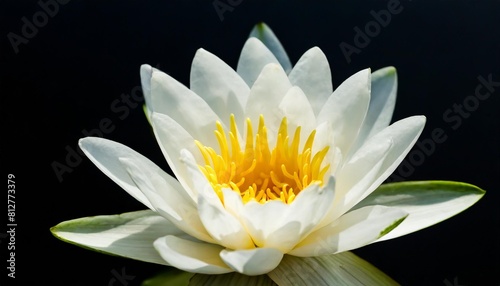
343	268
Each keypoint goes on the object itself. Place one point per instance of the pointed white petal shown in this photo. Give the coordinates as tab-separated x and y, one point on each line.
346	109
277	225
262	32
358	174
221	224
262	219
383	99
254	56
323	138
167	198
296	108
198	257
302	216
427	202
233	202
253	261
352	230
146	73
129	235
403	134
219	85
265	97
355	179
172	98
382	102
172	138
105	155
312	74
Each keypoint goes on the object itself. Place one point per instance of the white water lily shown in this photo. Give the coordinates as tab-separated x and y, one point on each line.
269	161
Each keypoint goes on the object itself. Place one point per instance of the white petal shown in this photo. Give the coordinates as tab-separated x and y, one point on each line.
312	74
146	73
165	193
172	138
219	85
129	235
105	155
346	109
198	257
254	261
254	56
296	108
360	171
233	202
221	224
355	178
277	225
382	102
352	230
263	219
403	134
427	202
383	99
265	97
198	180
268	38
172	98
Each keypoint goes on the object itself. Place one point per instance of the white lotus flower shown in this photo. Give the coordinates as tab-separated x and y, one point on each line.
268	162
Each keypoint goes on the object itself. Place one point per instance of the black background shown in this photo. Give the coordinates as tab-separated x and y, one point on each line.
65	79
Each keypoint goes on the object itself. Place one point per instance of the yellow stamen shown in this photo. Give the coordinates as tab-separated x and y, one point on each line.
257	172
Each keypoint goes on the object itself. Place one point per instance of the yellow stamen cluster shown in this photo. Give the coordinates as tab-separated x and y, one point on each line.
258	173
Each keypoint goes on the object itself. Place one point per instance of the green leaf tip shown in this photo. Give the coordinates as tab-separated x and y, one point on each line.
146	112
392	226
390	70
434	185
259	28
266	35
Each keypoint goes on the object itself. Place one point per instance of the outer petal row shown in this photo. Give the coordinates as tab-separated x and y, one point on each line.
147	182
207	258
129	235
352	230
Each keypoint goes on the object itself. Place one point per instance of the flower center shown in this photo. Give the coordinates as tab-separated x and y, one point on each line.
257	172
